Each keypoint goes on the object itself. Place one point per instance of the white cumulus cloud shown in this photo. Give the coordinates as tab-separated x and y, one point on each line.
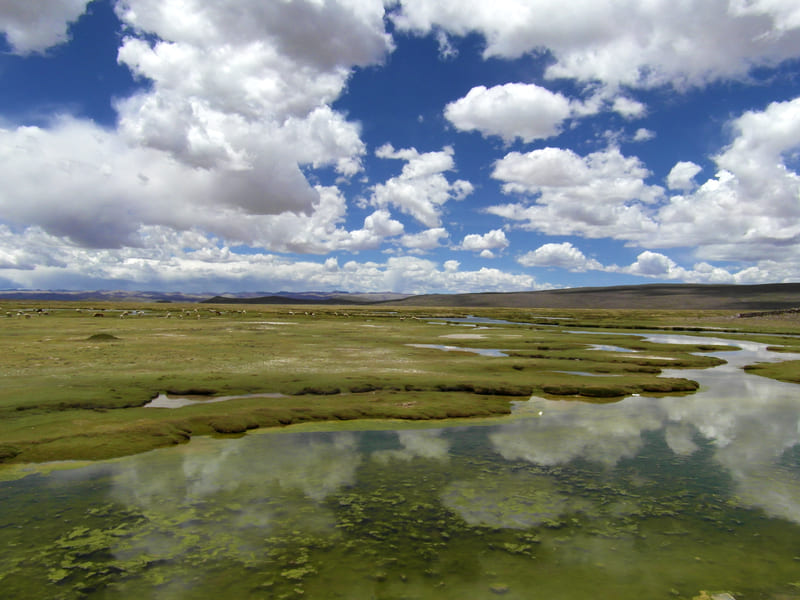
627	42
513	110
651	265
629	108
36	26
750	209
493	240
425	240
236	105
246	86
421	189
563	256
603	194
681	176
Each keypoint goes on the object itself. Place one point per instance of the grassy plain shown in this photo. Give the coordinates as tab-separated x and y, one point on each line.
75	377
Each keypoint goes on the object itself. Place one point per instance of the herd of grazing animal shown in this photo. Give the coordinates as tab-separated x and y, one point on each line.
28	313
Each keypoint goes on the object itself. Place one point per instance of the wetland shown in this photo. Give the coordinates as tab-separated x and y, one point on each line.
379	463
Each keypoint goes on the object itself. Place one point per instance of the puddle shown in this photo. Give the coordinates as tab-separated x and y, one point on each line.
473	320
607	348
164	401
464	336
588	374
482	351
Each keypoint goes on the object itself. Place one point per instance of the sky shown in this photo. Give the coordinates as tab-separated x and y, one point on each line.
410	146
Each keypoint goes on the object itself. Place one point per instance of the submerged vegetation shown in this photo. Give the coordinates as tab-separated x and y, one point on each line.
76	378
416	514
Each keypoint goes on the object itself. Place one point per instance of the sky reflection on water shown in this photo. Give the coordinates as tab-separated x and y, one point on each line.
751	422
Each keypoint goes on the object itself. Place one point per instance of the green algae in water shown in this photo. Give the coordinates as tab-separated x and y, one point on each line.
646	498
512	501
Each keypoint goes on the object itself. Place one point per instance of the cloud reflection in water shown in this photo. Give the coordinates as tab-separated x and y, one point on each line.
751	422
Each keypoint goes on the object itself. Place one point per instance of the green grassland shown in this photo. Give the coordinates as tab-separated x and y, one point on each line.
74	384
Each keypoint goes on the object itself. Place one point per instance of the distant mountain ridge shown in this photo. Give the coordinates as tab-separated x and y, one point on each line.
101	295
773	296
282	297
336	297
760	297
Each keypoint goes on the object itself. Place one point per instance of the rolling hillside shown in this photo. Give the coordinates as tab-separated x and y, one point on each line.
654	296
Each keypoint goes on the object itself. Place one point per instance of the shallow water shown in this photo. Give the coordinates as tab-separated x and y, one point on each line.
608	348
588	374
164	401
473	320
643	498
482	351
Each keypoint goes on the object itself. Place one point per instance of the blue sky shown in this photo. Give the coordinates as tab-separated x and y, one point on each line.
407	145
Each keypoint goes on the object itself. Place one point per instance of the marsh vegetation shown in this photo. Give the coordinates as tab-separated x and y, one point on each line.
75	386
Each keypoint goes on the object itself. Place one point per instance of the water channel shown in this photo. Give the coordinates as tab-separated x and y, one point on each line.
564	500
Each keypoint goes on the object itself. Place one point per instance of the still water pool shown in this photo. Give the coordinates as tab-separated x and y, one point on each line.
638	499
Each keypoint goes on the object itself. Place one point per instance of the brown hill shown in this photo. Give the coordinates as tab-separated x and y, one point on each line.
774	296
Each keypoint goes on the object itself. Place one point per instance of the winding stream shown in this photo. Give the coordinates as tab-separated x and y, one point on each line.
642	498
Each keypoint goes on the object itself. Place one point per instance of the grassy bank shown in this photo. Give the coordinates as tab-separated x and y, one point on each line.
75	377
